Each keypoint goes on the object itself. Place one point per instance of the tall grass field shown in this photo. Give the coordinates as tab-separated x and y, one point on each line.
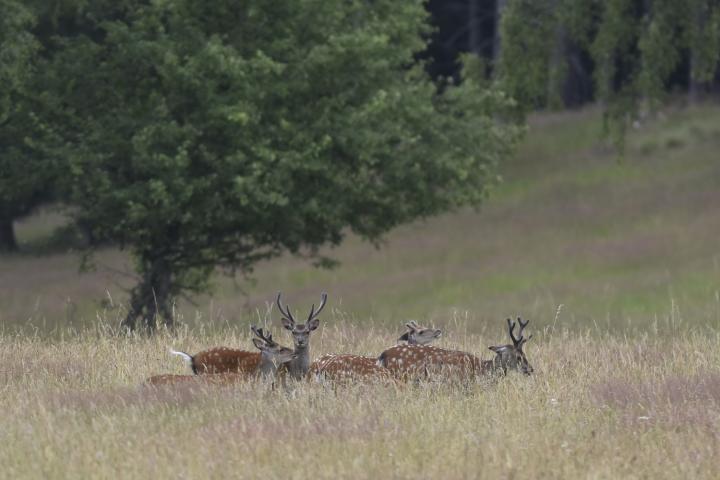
615	261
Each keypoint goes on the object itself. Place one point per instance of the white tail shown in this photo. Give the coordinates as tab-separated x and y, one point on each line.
185	356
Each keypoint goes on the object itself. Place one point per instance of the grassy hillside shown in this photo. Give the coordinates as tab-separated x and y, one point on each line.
588	248
619	245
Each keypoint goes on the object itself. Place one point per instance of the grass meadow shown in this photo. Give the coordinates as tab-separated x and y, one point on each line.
597	407
615	262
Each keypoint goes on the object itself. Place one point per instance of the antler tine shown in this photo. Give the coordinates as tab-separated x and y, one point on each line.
511	327
255	330
285	312
313	312
261	334
522	326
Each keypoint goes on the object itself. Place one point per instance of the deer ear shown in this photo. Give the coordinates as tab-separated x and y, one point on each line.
259	344
313	324
497	349
405	337
411	325
288	324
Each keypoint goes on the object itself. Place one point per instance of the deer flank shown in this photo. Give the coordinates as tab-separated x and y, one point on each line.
346	368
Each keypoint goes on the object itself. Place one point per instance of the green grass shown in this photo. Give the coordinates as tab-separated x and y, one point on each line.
610	240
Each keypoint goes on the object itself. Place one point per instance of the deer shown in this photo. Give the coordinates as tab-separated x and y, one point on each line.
223	360
300	365
417	335
343	368
406	361
340	368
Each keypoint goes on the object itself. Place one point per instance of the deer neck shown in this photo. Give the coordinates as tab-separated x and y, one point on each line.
301	364
266	368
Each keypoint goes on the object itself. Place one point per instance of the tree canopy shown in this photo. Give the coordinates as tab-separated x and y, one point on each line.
26	171
202	135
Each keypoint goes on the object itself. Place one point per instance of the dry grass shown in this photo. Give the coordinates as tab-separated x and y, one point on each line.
597	407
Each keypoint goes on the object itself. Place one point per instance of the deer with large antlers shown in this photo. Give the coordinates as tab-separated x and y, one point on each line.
298	367
406	361
229	360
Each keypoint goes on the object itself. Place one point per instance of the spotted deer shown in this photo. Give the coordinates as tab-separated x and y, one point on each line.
345	368
413	361
223	360
299	366
417	335
342	368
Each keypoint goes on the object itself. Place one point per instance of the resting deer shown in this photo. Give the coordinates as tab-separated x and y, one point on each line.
300	365
340	368
417	335
420	360
228	360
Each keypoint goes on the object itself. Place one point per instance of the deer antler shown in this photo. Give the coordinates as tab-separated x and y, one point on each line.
313	313
261	334
522	327
511	327
285	312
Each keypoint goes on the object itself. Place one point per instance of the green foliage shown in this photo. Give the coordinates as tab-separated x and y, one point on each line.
25	170
527	30
203	135
636	47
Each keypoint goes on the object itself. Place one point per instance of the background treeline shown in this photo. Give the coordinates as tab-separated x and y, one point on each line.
200	135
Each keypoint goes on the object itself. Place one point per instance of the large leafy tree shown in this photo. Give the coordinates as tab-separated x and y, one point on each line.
26	171
215	134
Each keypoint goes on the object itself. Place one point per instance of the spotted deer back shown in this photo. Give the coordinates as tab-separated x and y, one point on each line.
346	367
420	360
226	360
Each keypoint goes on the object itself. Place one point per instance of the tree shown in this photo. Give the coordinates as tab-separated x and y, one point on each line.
25	171
215	135
636	47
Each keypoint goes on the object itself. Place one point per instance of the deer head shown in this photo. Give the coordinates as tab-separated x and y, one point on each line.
417	335
271	350
301	331
512	356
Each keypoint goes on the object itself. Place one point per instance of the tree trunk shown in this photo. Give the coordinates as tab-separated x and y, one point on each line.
497	42
557	70
8	242
473	30
696	87
578	86
151	299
